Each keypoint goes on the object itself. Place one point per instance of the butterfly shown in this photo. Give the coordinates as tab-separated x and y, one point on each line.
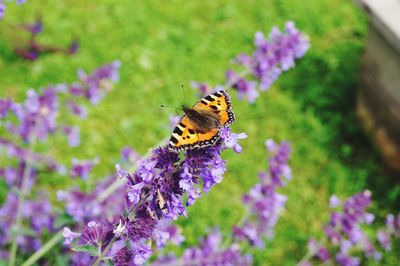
200	126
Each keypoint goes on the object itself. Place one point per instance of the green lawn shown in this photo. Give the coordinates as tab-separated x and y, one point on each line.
163	45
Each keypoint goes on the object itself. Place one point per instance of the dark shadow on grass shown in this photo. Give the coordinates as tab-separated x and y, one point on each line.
326	84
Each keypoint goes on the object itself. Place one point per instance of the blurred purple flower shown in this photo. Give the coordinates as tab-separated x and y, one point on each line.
264	204
2	9
203	88
72	134
76	109
246	89
73	48
345	230
34	28
84	207
94	86
82	168
69	235
129	155
5	105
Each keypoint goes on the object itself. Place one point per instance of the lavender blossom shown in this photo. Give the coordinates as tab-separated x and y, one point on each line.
85	207
271	57
34	28
156	191
245	88
129	155
2	9
39	215
263	202
97	234
344	233
210	252
28	213
82	168
5	104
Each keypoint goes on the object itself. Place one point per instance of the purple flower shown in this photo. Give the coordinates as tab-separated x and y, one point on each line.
203	88
315	248
76	109
334	201
129	155
97	234
39	213
123	257
384	239
231	139
72	134
271	57
246	89
264	204
94	86
134	193
73	48
34	28
2	9
82	168
142	254
84	207
174	120
211	252
5	104
160	237
69	236
345	230
140	228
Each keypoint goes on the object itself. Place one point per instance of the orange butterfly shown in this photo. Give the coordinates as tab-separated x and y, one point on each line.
201	124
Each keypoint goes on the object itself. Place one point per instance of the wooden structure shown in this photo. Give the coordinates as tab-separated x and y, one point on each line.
378	101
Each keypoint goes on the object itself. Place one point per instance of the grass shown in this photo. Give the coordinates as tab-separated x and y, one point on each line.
162	46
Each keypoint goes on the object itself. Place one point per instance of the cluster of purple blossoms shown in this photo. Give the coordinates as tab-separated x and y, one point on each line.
392	230
264	204
34	48
38	215
23	221
272	56
211	251
345	238
84	207
159	189
3	6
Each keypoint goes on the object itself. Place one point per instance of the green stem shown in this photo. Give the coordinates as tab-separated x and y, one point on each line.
100	198
44	249
18	223
102	254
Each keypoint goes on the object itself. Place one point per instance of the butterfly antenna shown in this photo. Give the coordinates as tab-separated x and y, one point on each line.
183	91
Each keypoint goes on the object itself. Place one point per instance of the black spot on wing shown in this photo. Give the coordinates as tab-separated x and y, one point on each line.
191	131
203	102
214	107
209	98
173	140
178	131
182	125
218	94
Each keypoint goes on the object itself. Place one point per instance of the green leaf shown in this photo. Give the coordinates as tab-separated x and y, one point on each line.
109	263
92	250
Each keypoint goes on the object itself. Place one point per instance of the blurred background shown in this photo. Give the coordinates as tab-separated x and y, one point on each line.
162	45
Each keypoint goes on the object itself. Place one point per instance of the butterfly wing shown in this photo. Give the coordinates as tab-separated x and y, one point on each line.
185	135
218	102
